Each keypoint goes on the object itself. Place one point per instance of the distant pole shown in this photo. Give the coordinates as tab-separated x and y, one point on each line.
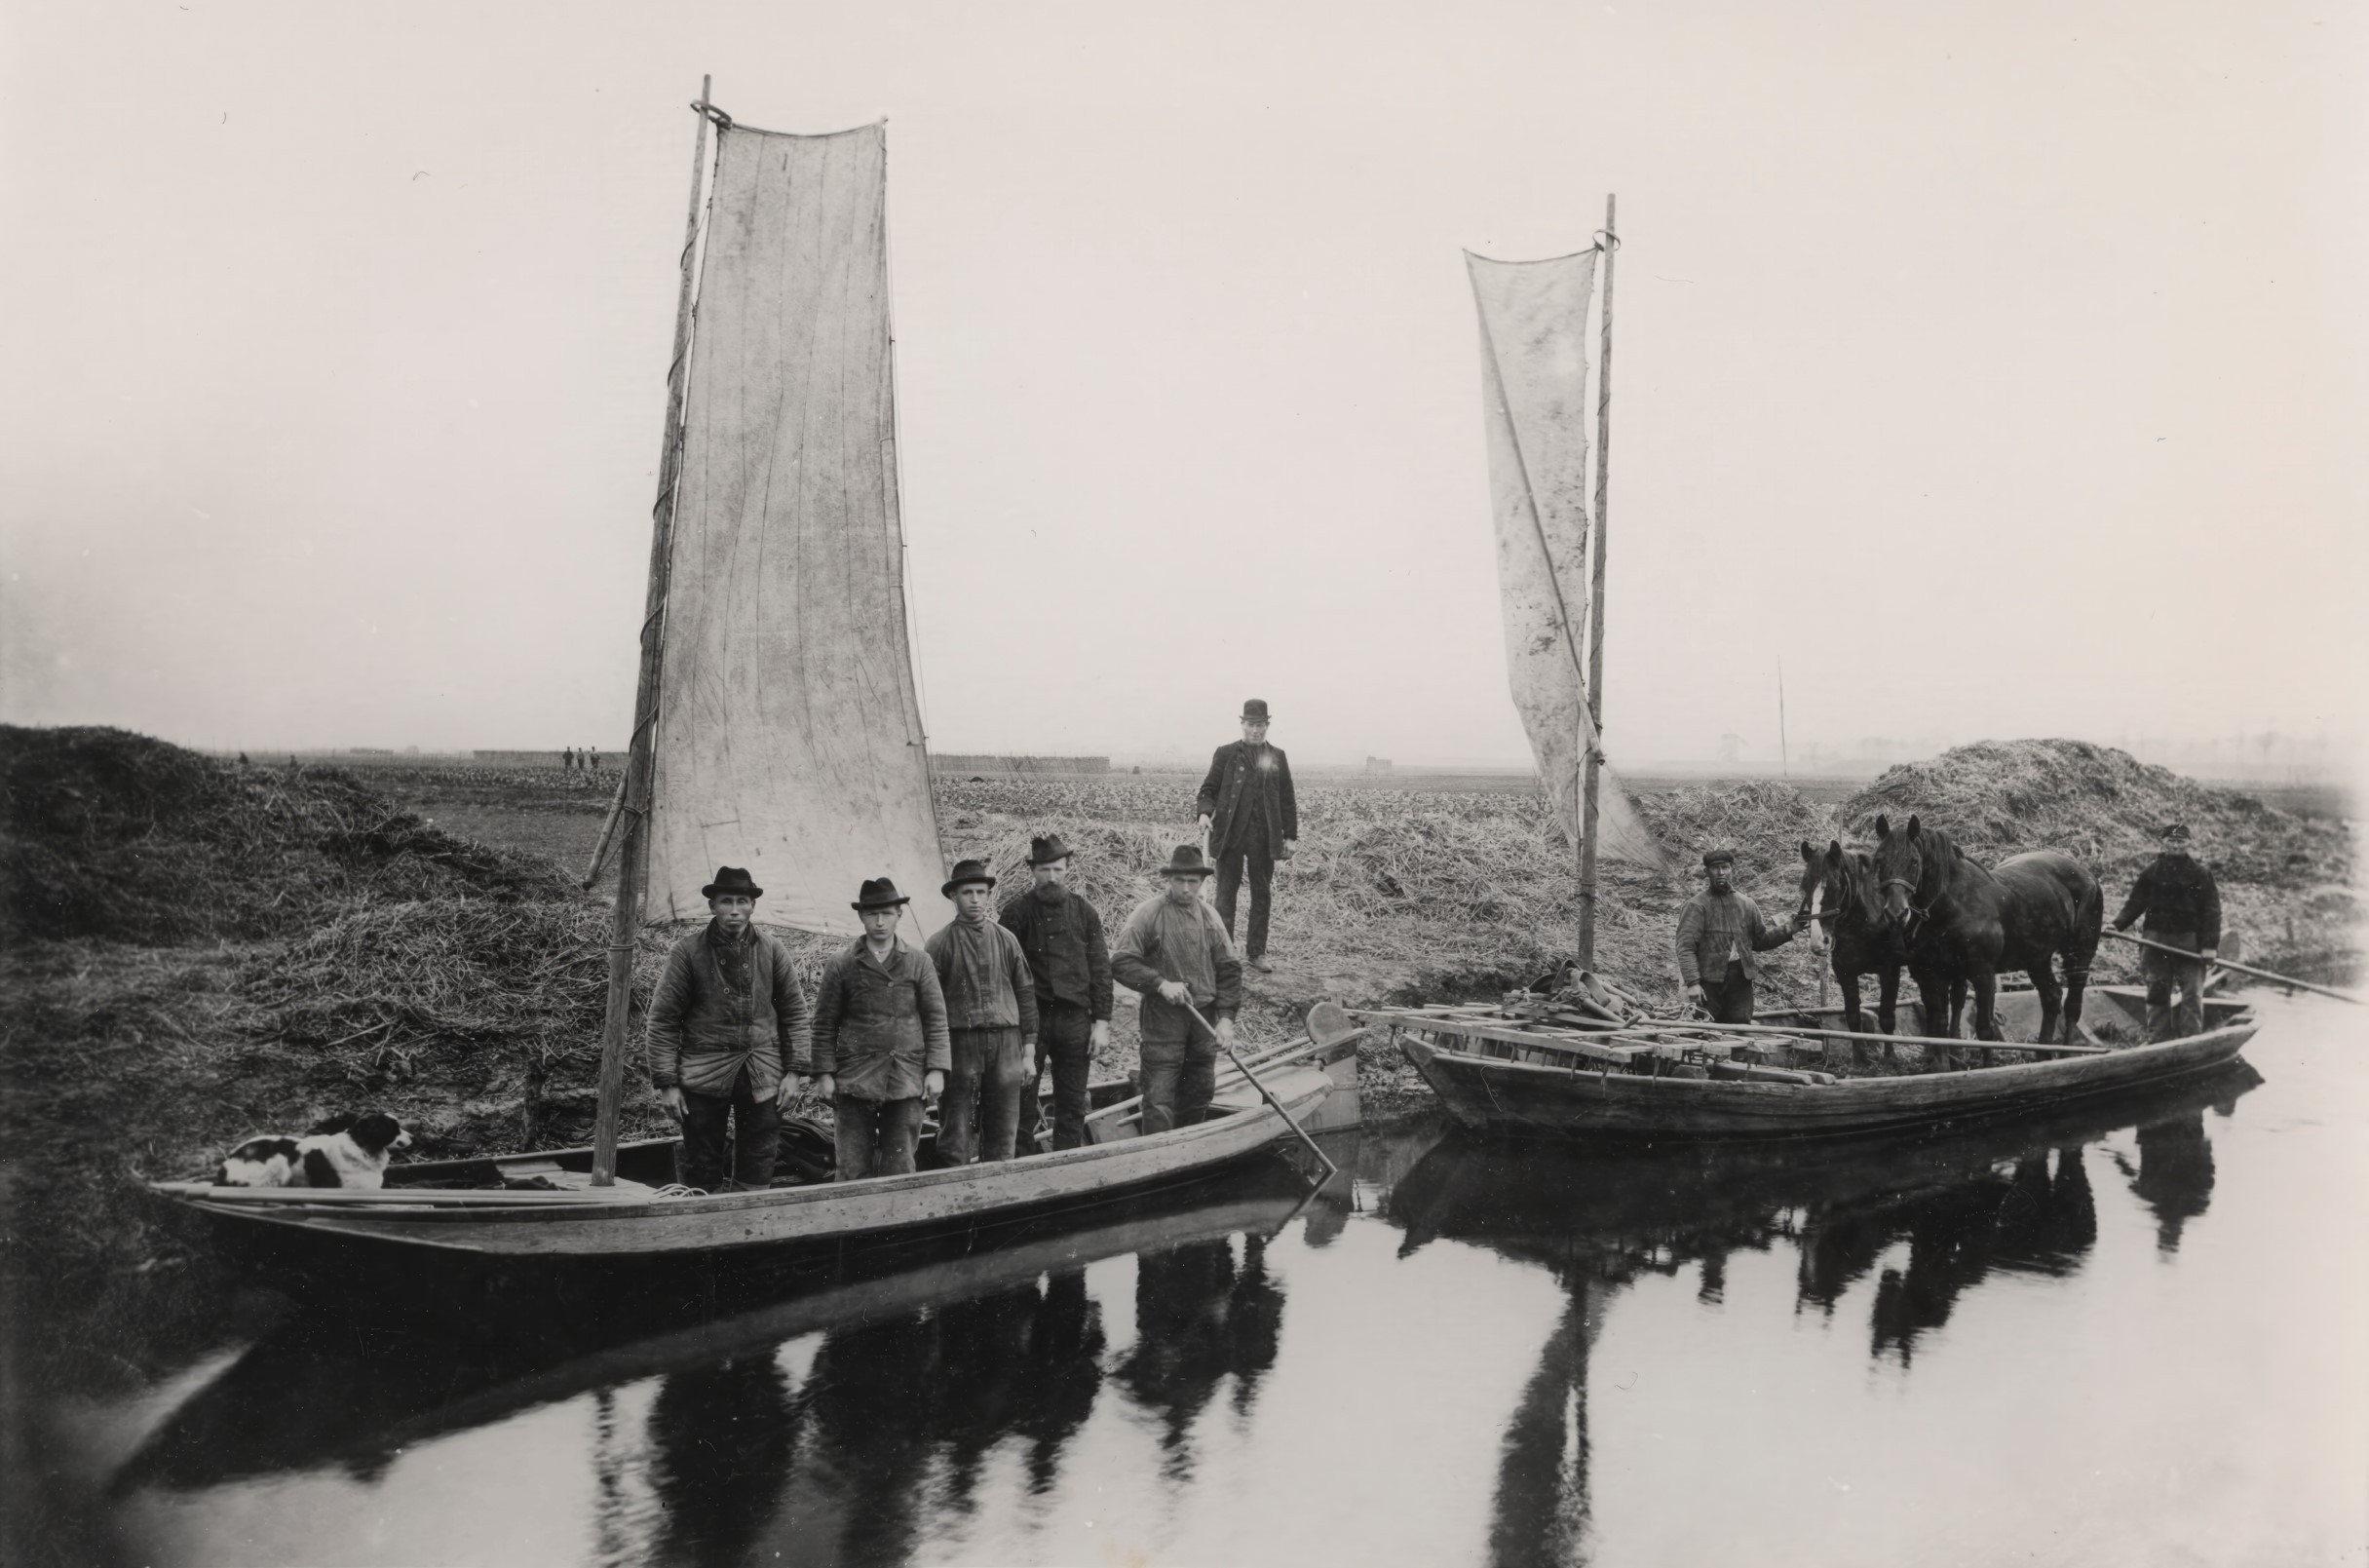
1784	754
633	857
1596	614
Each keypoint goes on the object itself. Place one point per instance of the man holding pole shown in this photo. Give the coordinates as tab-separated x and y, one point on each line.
2182	906
1719	933
1174	953
880	1039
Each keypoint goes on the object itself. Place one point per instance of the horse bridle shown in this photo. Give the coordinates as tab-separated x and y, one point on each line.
1916	916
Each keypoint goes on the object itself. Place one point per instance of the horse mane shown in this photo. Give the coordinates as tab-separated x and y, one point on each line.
1943	858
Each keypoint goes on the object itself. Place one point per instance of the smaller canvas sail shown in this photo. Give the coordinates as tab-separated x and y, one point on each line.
1534	382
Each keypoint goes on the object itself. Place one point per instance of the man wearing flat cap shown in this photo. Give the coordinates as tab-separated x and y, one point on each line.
1174	953
2182	905
991	1017
880	1039
1719	933
1245	807
728	1023
1071	964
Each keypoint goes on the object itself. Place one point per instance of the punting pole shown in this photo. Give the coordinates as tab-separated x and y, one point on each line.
1267	1094
2242	968
633	859
1595	615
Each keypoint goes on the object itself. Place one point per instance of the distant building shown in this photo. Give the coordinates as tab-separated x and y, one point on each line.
968	763
1377	764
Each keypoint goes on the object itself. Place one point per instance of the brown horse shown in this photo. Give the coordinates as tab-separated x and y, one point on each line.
1962	922
1838	893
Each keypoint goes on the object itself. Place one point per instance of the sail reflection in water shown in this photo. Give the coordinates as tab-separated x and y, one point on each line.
1476	1353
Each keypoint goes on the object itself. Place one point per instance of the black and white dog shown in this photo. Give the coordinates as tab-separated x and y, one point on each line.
344	1151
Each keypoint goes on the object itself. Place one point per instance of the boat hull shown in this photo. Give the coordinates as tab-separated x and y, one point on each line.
342	1230
1502	1098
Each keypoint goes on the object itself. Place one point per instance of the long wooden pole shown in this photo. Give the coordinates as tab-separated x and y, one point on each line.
1264	1092
625	925
1596	617
2242	968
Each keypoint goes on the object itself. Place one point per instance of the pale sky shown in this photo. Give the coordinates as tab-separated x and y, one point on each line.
2003	368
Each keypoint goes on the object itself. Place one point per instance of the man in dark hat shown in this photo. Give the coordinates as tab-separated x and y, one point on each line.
1071	965
991	1017
2182	904
728	1023
1246	808
1719	931
880	1039
1174	953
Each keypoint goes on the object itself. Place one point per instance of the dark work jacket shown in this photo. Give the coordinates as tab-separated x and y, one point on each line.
2179	898
1247	792
1067	954
704	1030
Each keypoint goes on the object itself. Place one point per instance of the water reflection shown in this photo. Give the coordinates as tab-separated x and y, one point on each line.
976	1403
1937	1216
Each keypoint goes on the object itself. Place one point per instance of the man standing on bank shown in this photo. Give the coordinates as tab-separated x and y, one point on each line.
1173	952
1246	808
991	1013
880	1039
1071	964
2182	904
1719	931
728	1023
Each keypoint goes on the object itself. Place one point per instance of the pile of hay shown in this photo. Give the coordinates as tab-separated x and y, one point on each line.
113	835
2104	808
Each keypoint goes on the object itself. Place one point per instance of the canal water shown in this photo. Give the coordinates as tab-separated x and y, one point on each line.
2133	1336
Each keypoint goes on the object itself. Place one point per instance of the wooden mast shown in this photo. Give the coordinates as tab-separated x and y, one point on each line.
632	863
1595	615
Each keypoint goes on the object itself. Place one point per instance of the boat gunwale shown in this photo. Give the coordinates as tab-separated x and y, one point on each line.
313	1208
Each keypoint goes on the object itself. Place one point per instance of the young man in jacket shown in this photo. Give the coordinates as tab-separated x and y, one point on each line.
991	1018
1173	952
1251	817
2182	904
1070	962
1720	934
727	1024
880	1039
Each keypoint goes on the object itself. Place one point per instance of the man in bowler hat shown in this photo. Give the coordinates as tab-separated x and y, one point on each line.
1246	808
1719	931
1174	953
2182	904
1071	964
991	1018
880	1039
727	1024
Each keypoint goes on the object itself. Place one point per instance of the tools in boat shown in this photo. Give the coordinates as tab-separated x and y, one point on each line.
2242	968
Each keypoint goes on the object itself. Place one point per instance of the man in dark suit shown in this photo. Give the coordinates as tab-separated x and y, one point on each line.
1246	808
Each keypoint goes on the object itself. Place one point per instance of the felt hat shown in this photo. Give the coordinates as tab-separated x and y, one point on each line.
732	879
1254	710
967	871
2178	830
1188	860
1723	857
879	893
1047	847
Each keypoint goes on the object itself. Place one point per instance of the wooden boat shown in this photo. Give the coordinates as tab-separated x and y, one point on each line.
1512	1077
630	1219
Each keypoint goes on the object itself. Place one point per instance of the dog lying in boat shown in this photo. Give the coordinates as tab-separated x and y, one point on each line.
344	1151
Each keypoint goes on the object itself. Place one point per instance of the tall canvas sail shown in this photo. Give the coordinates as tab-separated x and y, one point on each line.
1534	377
789	737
